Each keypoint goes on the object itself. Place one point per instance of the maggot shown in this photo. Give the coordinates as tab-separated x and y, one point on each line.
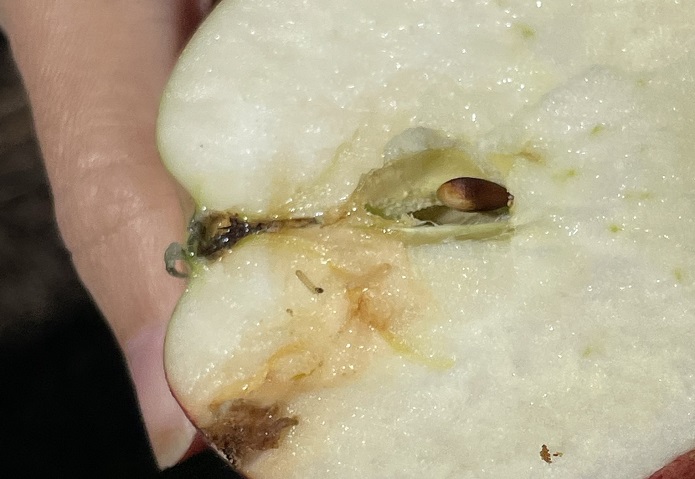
307	282
474	194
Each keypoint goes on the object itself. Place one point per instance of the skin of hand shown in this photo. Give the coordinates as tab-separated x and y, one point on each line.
94	73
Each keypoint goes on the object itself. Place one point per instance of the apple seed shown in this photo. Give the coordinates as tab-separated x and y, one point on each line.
474	194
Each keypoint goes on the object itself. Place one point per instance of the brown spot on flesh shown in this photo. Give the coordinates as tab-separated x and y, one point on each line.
217	231
368	300
244	428
531	154
545	454
329	340
367	308
322	353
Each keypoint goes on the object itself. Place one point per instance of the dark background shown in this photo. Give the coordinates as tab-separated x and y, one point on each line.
67	407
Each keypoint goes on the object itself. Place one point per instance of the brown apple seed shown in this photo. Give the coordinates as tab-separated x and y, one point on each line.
474	194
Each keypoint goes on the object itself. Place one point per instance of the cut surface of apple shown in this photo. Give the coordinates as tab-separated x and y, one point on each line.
341	321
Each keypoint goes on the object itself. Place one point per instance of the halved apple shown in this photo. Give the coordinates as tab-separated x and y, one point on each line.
343	319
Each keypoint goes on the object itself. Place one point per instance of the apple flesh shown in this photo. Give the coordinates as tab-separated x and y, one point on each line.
343	323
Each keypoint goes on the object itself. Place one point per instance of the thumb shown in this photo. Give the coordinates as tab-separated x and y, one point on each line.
94	72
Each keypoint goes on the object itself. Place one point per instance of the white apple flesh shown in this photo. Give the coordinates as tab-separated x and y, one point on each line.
554	340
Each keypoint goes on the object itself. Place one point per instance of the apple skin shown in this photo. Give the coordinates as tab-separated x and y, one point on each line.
683	467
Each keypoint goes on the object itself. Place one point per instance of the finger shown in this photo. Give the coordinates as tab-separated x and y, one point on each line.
94	72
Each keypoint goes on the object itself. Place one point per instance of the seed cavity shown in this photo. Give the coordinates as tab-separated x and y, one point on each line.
412	197
474	194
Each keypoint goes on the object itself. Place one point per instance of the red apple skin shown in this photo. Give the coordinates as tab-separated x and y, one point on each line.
683	467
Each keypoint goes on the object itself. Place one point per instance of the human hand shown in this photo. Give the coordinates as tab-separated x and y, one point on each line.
94	72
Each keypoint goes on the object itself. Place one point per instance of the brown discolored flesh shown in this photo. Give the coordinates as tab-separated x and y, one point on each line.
545	454
216	231
244	428
330	341
473	194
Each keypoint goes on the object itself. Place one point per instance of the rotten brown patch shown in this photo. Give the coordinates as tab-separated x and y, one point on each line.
546	456
216	231
244	428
